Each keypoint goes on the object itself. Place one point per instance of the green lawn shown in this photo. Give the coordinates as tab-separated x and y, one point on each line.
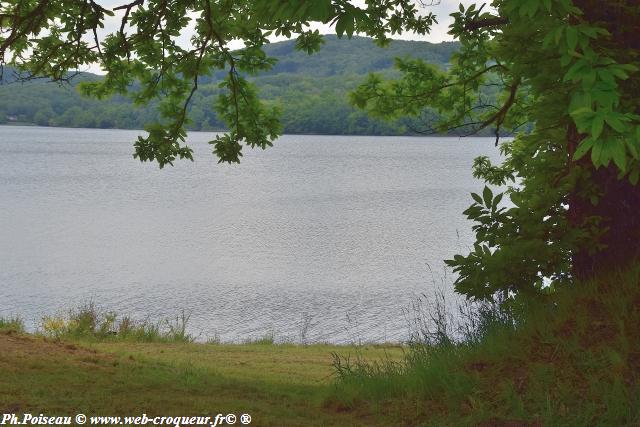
275	384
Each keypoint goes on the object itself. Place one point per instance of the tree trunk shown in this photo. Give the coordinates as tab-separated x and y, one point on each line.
619	211
619	204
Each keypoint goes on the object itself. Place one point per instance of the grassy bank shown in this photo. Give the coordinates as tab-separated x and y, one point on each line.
275	384
570	360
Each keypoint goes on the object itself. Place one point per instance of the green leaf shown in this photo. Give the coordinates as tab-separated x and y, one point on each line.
583	148
477	198
579	100
582	118
596	152
320	10
529	7
350	28
572	37
615	123
583	111
633	148
558	34
619	73
596	126
588	79
487	196
341	25
547	40
574	71
619	155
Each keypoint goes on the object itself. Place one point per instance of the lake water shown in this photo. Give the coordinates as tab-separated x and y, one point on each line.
345	232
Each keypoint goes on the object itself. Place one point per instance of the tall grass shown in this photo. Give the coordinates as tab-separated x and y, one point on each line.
89	322
12	324
269	338
570	358
439	334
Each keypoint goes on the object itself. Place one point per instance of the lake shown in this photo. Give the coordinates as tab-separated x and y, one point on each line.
338	233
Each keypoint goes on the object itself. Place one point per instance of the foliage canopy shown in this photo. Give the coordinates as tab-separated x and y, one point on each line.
54	37
563	66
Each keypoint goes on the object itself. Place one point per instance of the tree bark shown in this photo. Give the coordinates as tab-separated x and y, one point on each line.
618	210
619	205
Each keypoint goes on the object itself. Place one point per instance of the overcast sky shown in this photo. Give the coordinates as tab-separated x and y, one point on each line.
441	9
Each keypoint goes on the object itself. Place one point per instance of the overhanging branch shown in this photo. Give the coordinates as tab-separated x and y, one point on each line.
485	22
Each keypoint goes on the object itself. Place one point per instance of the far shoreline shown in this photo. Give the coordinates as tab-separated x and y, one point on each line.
439	136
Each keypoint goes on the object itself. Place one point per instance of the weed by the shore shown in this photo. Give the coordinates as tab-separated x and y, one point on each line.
269	338
13	323
89	322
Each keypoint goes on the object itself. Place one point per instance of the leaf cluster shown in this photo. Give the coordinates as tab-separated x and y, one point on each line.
55	38
557	71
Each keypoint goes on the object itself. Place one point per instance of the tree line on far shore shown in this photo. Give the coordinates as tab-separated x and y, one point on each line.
311	91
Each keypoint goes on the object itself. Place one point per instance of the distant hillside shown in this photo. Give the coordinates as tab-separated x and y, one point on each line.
358	56
311	90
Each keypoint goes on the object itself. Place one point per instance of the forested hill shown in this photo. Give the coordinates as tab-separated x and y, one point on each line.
357	56
312	91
